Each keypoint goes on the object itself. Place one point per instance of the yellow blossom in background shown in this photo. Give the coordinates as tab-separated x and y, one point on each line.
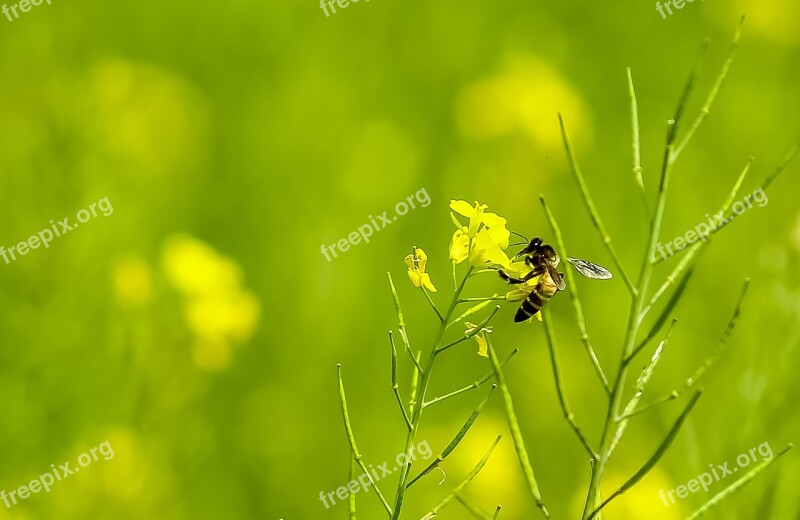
196	269
483	240
219	312
416	269
796	234
233	315
641	501
775	21
136	479
132	279
524	97
148	116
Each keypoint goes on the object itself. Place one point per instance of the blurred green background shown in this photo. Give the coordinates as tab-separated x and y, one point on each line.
198	327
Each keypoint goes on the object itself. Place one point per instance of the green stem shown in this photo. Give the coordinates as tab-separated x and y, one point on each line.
562	397
516	433
637	154
422	388
433	305
736	486
352	440
587	200
395	386
470	476
473	386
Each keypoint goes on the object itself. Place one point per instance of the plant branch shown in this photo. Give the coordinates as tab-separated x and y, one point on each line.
573	293
395	386
562	397
706	110
473	386
692	381
471	475
516	433
433	305
736	486
468	335
401	324
456	440
637	154
653	460
587	199
352	440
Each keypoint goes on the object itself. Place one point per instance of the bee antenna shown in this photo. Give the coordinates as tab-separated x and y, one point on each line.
523	237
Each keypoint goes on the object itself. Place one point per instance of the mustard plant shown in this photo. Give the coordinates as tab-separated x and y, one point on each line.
481	244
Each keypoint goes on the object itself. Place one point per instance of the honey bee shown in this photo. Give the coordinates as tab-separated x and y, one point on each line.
543	261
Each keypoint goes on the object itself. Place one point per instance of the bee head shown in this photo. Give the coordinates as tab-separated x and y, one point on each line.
531	248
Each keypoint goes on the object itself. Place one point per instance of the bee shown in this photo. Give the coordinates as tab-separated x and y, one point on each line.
543	262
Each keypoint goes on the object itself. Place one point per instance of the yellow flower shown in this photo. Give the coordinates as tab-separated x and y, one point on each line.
219	311
483	240
480	337
416	269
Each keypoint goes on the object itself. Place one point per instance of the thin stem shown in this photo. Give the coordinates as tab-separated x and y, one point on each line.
516	433
706	110
692	381
661	400
474	511
637	154
740	483
576	303
638	391
395	386
421	389
469	335
469	312
477	384
587	199
495	297
562	397
664	316
352	440
703	238
352	498
401	324
655	458
470	476
412	400
637	304
433	305
456	440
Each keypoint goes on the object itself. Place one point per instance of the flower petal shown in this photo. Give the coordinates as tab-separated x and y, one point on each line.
463	208
459	246
427	283
483	346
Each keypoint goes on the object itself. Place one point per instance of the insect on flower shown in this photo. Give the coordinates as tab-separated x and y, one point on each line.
542	280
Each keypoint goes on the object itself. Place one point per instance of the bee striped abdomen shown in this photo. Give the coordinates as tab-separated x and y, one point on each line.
532	304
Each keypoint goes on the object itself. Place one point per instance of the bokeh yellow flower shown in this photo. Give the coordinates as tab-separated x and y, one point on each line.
219	312
523	98
416	263
132	281
483	240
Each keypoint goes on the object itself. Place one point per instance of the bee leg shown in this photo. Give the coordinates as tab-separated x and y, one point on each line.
514	281
509	279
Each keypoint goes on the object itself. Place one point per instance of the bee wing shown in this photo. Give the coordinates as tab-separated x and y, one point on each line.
556	277
589	269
